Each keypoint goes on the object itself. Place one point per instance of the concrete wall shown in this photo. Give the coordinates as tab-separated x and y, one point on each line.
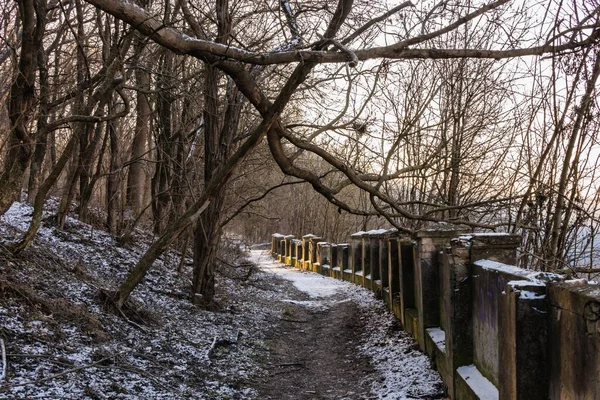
493	330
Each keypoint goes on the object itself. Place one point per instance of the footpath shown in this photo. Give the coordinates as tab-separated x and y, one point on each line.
336	341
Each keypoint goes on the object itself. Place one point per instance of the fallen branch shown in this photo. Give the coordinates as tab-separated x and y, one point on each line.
3	349
300	321
52	377
130	322
286	371
211	348
293	364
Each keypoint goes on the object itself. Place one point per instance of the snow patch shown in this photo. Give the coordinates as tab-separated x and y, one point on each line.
314	285
482	387
439	337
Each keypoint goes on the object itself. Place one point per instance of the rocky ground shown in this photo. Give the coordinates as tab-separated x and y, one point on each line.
278	333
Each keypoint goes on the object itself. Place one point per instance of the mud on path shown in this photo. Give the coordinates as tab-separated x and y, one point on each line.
314	352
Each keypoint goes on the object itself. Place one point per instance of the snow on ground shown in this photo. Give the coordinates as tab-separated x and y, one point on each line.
63	343
406	372
52	321
316	286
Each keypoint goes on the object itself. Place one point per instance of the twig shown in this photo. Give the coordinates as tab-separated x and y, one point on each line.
300	321
286	371
353	57
3	374
135	325
48	378
293	364
49	357
211	348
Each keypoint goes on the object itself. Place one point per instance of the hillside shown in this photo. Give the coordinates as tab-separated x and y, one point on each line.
63	342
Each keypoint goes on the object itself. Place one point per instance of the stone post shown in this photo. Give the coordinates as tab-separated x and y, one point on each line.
281	251
574	336
392	269
427	291
458	326
373	260
345	261
334	255
457	303
358	257
287	256
323	265
296	252
336	271
408	307
275	238
523	342
384	265
312	253
306	251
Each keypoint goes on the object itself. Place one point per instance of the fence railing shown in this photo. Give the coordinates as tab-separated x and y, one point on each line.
493	330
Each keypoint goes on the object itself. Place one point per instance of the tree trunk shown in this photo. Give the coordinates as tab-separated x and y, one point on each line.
136	176
218	136
78	127
581	112
206	235
161	194
21	103
42	193
35	169
113	179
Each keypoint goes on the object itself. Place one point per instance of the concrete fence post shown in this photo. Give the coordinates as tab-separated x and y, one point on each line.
358	257
312	253
480	319
384	273
427	291
523	342
372	257
306	251
296	252
407	298
335	262
345	261
393	273
334	255
458	326
574	336
280	249
287	256
275	238
323	264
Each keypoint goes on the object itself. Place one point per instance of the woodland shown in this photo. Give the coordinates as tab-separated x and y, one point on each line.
194	119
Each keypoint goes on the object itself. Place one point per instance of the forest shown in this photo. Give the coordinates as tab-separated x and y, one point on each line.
202	121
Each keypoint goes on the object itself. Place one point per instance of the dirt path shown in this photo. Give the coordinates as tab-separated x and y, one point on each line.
314	352
334	340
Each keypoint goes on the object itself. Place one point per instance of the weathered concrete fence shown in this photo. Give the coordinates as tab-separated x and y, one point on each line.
493	330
